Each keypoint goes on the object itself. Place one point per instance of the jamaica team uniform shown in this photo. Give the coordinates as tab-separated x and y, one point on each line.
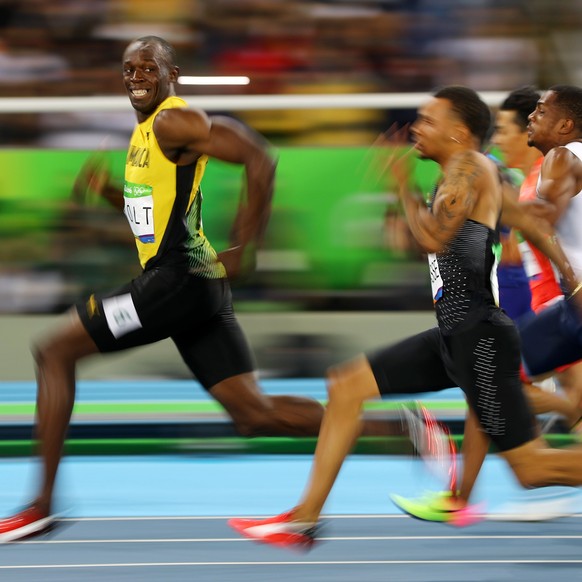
183	292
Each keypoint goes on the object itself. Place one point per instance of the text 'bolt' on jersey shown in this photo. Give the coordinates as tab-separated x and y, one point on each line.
163	204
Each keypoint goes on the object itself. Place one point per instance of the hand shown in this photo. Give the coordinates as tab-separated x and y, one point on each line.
575	297
238	261
92	181
394	159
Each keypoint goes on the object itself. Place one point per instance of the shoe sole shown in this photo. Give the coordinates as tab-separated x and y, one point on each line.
38	527
305	543
419	509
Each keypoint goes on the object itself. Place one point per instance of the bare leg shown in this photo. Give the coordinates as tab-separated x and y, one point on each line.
571	382
537	465
551	467
349	386
475	447
255	413
56	359
542	401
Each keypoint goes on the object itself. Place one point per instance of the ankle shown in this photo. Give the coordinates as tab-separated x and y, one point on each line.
301	514
42	506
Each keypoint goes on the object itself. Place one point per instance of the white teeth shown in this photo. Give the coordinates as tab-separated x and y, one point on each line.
139	92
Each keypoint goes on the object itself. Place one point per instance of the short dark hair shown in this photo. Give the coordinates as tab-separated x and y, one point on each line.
569	100
523	101
168	52
472	110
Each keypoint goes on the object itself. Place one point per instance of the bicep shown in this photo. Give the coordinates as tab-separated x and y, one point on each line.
557	185
191	131
230	141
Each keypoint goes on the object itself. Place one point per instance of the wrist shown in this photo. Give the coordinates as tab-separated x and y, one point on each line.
576	290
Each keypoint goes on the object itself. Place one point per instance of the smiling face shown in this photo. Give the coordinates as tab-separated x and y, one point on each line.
148	77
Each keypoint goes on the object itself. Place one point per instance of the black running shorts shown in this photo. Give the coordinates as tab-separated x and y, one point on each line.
167	302
483	361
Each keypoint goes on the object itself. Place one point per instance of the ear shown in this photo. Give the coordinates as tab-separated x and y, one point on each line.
174	74
461	133
566	126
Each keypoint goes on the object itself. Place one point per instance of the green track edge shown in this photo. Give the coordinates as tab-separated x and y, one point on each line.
395	445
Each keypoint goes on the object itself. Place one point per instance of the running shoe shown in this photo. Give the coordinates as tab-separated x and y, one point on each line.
26	523
440	507
280	530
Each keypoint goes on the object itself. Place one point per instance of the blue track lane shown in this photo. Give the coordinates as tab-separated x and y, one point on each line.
195	484
172	390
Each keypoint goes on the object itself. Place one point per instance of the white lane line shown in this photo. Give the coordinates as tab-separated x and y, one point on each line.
469	538
225	517
288	563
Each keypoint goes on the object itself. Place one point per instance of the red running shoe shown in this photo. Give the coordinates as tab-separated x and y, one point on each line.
24	524
280	530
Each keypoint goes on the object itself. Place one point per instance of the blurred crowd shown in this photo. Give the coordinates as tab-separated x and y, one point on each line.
51	255
73	48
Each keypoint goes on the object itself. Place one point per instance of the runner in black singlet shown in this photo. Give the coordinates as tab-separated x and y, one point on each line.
475	345
553	336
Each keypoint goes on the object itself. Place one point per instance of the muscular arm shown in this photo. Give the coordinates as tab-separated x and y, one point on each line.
558	182
455	201
541	234
184	135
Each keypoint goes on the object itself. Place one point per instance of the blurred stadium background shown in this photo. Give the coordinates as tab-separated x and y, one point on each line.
337	252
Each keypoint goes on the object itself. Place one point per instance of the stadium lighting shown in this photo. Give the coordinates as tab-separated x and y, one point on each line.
188	80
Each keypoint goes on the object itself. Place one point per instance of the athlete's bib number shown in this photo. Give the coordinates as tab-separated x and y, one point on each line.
493	278
139	210
121	315
436	281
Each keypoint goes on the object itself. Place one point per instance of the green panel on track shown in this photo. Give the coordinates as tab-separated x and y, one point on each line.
191	407
234	445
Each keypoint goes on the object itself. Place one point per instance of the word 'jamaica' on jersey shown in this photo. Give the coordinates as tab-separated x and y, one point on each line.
138	157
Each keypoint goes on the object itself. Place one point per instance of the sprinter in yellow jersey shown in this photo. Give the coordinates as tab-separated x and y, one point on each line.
183	292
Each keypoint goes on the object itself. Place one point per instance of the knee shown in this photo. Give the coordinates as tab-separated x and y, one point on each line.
537	472
52	352
40	353
340	390
528	476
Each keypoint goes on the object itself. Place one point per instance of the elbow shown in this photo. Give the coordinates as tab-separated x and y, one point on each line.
262	163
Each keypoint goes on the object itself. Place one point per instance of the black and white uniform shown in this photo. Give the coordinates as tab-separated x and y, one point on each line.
475	346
